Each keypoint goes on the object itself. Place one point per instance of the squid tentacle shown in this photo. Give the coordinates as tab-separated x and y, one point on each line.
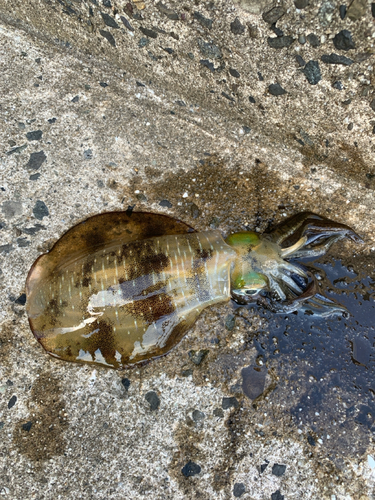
310	298
305	233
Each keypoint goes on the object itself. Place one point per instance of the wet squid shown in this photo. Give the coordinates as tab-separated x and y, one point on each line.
122	288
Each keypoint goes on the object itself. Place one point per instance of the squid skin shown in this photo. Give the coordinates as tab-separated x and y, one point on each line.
120	289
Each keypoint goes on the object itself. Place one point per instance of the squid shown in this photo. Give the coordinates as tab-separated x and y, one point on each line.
120	288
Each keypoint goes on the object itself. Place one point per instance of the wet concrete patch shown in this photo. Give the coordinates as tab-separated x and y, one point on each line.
40	436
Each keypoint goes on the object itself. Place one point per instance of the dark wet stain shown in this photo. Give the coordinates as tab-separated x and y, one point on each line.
344	158
188	440
41	437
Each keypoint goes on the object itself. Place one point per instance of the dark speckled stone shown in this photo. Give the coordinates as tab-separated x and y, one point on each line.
344	41
301	4
273	15
12	402
238	490
336	59
311	440
338	85
36	160
276	89
108	36
342	10
277	495
26	427
300	60
236	27
280	42
229	403
207	64
204	21
234	72
278	470
149	33
126	383
313	40
165	203
171	14
35	135
153	399
40	210
209	50
21	301
312	72
126	23
109	21
191	469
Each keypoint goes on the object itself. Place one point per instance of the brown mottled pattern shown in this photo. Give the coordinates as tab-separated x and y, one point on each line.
127	302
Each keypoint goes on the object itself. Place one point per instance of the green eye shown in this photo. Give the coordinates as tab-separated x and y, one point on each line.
250	281
244	239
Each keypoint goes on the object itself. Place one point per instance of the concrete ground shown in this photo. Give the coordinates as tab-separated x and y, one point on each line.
223	114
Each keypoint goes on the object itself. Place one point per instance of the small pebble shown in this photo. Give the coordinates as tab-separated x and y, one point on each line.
108	36
300	60
165	203
313	40
35	135
276	89
12	402
277	495
26	427
312	72
278	470
153	399
238	490
343	40
338	85
126	383
273	15
301	4
229	403
236	27
342	10
191	469
336	59
198	356
198	416
109	21
40	210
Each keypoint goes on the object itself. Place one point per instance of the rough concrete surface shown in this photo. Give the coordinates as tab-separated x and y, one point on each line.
224	114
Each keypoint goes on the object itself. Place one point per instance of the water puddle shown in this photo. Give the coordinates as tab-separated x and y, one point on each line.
326	366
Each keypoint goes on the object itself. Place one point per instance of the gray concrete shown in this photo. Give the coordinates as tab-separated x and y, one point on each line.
178	125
